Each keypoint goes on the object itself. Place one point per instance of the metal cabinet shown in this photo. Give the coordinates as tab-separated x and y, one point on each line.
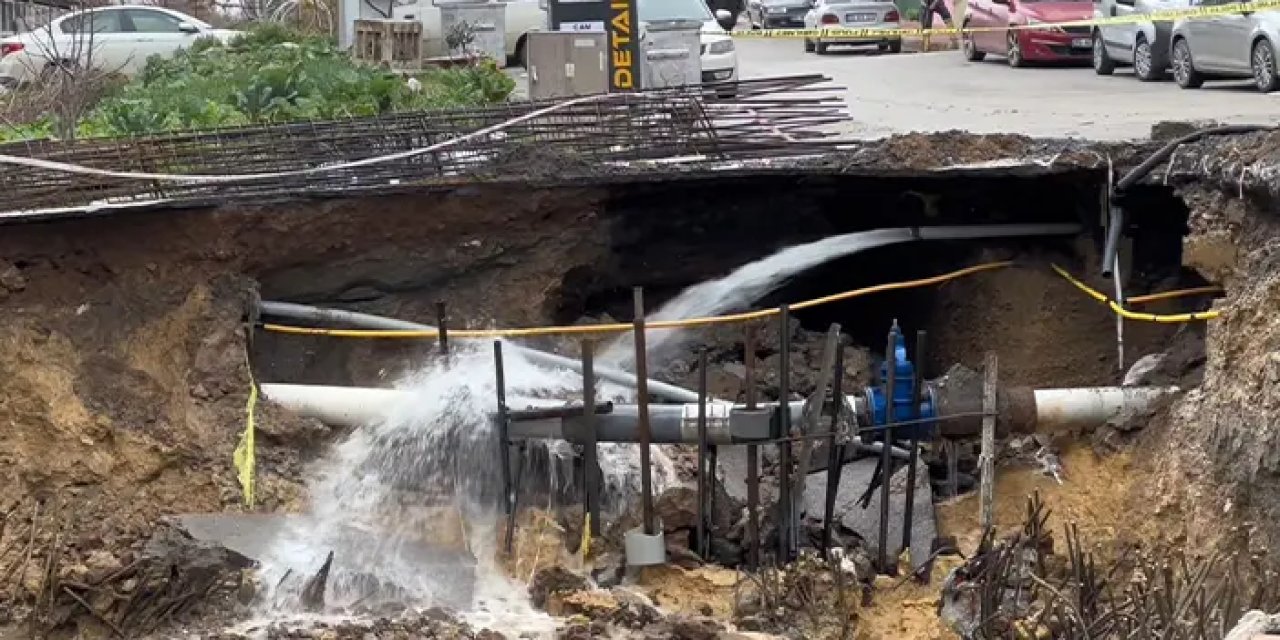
567	64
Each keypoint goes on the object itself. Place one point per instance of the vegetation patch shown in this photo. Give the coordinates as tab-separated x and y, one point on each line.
267	75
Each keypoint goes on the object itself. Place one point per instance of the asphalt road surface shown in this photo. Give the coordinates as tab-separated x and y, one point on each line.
939	91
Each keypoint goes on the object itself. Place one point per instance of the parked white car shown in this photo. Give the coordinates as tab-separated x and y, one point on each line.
1238	45
117	39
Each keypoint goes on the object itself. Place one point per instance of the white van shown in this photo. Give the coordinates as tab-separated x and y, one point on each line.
1142	45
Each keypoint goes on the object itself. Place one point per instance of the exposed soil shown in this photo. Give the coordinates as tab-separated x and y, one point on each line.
126	365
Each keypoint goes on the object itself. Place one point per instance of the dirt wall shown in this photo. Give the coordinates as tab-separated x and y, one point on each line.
124	361
1214	460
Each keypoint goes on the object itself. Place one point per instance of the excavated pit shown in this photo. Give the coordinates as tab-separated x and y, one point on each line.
126	367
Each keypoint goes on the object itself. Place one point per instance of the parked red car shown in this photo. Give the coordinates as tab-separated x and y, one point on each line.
1054	44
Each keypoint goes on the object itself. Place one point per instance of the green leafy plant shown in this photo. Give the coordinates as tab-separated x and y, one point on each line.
269	74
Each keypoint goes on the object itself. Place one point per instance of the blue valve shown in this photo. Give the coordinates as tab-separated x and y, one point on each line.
904	382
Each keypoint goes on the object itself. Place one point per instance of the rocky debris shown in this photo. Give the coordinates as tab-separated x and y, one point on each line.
432	624
552	580
11	279
171	579
864	523
726	373
1254	623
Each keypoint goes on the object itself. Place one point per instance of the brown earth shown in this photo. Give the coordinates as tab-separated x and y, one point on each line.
125	369
125	362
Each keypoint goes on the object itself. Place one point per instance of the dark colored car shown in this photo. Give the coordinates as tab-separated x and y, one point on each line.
777	14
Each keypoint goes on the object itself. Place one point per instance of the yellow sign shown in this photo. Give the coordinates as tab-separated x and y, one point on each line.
622	46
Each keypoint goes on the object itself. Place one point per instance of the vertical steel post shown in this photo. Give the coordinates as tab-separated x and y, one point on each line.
753	454
916	394
987	455
642	411
712	455
702	454
886	457
952	448
784	447
835	452
443	325
590	457
504	447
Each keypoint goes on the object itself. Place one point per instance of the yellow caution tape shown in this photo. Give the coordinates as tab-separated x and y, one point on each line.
244	457
749	315
621	327
1133	315
840	33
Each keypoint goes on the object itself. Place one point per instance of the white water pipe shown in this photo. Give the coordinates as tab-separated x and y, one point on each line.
1056	409
1063	409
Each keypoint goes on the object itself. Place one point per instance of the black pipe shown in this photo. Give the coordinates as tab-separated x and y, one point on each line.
642	400
784	449
1115	225
702	454
835	453
1145	167
590	457
914	447
753	454
886	459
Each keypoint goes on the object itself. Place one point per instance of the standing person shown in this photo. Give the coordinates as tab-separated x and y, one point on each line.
927	10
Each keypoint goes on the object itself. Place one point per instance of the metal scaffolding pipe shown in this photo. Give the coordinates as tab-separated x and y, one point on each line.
369	321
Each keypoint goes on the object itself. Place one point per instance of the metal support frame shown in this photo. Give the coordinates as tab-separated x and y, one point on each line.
784	447
913	448
702	529
642	400
886	458
504	445
837	446
753	454
590	452
986	458
442	322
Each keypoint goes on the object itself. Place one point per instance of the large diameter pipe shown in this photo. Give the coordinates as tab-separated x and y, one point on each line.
369	321
1069	409
1055	409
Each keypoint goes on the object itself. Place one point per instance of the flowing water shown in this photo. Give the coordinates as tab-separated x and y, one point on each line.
755	280
410	506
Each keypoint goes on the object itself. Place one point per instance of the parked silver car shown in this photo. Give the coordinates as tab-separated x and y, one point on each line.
1227	46
872	15
1142	45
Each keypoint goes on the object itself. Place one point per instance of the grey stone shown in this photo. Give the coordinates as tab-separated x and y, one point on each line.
854	480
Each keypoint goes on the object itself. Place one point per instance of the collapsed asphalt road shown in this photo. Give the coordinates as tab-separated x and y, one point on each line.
890	94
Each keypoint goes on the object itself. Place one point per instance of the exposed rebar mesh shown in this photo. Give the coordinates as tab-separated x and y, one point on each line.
747	119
